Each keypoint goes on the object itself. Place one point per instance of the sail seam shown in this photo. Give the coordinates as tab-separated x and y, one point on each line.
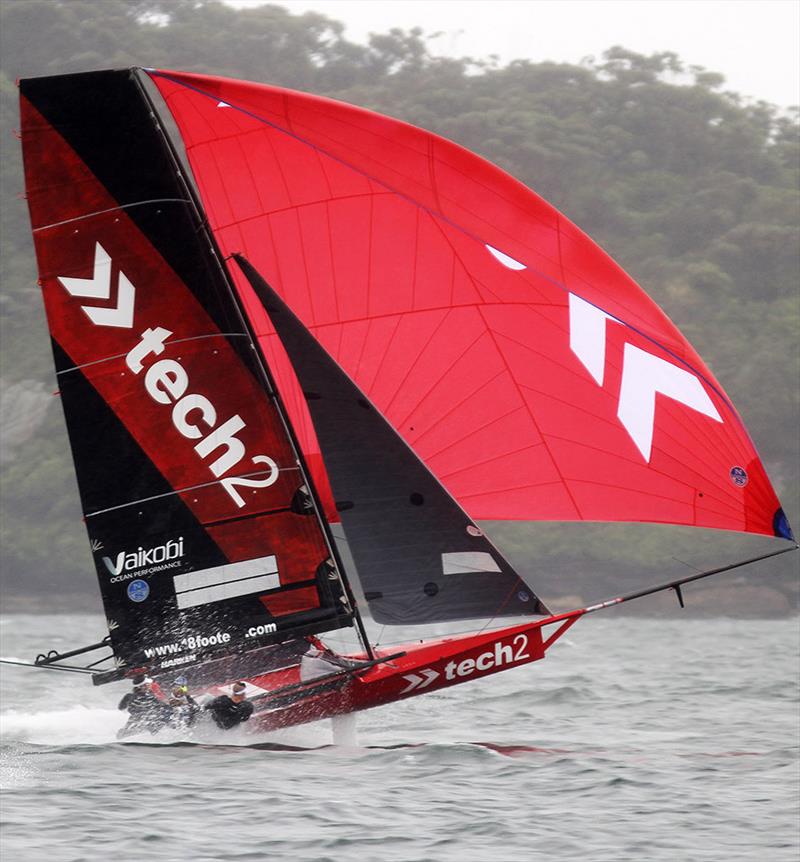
473	464
529	412
453	443
334	277
417	311
425	395
633	461
304	258
386	349
506	489
443	416
248	517
413	365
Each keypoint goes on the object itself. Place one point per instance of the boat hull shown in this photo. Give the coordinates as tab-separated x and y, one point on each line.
422	668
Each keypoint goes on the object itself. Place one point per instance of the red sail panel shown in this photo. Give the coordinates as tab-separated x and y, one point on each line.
527	370
186	473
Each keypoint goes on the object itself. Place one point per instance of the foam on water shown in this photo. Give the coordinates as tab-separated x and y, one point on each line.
76	725
81	725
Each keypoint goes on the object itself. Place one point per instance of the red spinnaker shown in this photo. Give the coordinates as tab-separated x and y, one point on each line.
530	373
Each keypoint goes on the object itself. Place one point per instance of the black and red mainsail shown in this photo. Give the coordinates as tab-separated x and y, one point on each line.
204	532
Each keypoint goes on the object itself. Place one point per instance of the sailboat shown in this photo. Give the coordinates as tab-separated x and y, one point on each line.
272	313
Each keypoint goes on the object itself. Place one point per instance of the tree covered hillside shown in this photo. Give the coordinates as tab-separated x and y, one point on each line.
691	188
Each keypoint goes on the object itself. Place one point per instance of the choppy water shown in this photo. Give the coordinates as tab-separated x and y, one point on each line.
634	740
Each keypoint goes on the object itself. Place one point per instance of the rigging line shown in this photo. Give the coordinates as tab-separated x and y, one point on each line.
166	344
684	563
499	627
520	584
185	490
675	583
111	210
155	72
101	660
48	666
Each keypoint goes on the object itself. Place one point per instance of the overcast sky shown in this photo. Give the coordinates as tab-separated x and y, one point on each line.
754	43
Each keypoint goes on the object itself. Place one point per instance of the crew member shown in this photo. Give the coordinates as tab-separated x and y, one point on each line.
147	712
184	707
320	661
226	711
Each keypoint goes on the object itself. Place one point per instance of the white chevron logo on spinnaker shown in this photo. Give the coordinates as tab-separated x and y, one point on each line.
643	375
420	682
99	287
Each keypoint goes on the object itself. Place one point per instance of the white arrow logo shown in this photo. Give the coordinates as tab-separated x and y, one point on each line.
99	287
643	375
420	682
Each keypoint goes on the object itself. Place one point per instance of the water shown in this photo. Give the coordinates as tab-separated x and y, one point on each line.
634	740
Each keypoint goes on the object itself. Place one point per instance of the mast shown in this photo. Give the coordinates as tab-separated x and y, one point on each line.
261	364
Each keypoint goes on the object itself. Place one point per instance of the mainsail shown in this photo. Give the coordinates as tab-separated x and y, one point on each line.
532	375
205	537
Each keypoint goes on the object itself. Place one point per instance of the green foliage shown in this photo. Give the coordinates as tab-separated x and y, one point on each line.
692	189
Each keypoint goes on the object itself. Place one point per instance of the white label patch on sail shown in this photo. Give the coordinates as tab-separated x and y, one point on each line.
468	562
226	582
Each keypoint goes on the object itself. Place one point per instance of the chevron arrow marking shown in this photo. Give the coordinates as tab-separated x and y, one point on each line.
420	682
587	335
643	375
99	287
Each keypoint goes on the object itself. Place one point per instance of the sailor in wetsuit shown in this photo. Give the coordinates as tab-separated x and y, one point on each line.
184	707
226	711
319	661
147	712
